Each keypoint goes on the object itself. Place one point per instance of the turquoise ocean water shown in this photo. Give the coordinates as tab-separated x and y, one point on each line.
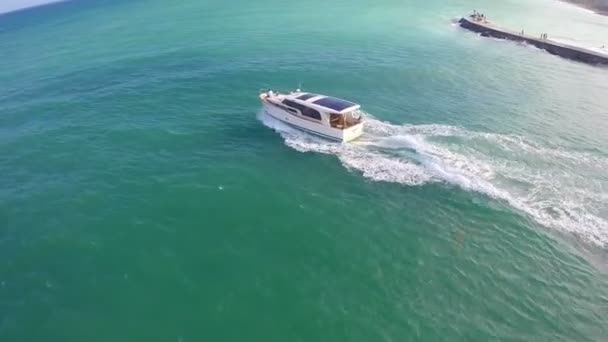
144	198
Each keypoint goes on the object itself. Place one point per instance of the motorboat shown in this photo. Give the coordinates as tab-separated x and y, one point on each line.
325	116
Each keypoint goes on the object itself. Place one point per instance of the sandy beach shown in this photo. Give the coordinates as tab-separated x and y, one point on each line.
598	6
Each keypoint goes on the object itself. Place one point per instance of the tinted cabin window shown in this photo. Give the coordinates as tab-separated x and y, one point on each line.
293	105
311	113
308	112
291	110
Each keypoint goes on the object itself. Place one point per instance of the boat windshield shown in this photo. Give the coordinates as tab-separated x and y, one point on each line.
345	120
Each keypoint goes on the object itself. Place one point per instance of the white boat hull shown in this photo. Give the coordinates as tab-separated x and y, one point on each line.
327	132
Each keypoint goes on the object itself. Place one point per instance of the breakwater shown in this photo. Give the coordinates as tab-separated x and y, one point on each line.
563	50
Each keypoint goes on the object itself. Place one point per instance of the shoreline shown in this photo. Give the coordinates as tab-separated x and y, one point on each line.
601	10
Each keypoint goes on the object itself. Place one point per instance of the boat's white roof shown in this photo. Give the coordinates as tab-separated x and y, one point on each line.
322	102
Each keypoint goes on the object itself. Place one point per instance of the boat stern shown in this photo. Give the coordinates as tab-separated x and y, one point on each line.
352	133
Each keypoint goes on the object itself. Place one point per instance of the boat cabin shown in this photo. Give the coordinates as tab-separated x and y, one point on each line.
327	110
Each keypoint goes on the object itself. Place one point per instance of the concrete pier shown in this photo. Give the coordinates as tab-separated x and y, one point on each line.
486	29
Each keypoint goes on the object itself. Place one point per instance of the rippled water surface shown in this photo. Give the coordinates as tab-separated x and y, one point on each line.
144	195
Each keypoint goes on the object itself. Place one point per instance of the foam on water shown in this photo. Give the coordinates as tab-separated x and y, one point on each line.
538	180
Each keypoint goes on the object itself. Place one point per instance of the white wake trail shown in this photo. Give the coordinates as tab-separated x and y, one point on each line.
558	188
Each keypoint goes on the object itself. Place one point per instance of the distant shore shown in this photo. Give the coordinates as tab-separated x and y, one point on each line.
598	6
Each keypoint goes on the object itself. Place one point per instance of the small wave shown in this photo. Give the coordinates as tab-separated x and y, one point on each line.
176	132
455	21
542	181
